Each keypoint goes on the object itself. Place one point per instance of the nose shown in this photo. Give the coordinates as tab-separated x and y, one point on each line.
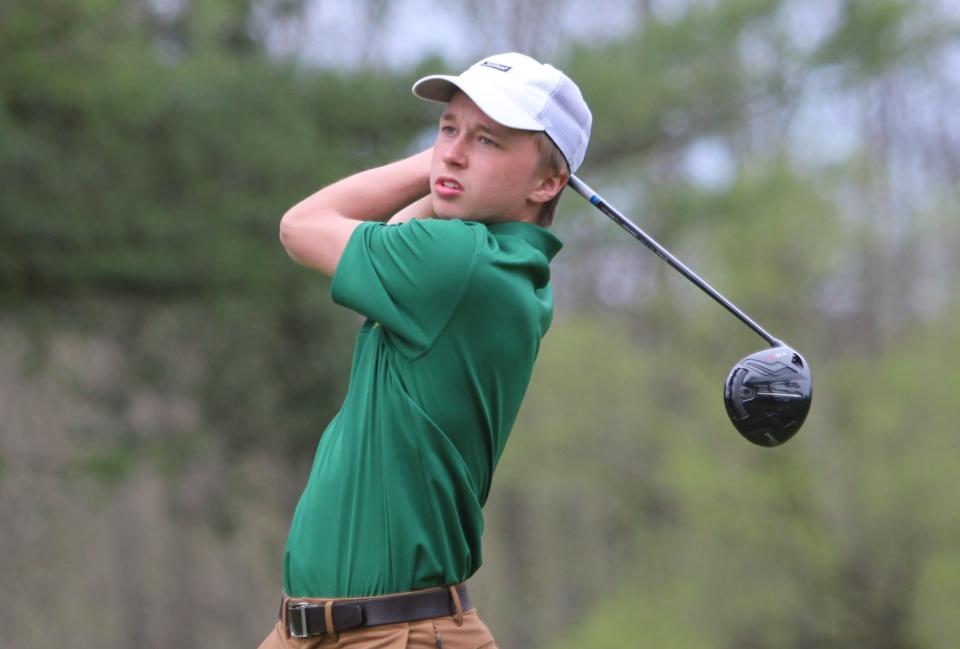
454	154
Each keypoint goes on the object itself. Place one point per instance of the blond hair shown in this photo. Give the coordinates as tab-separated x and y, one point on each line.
552	162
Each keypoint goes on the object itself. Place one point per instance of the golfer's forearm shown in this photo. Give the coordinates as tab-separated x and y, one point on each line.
371	195
315	231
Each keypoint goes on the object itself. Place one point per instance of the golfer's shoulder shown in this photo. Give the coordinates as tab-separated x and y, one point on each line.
445	249
437	233
447	229
435	237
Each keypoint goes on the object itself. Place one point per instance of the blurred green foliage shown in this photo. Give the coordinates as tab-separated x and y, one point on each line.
155	178
135	175
845	541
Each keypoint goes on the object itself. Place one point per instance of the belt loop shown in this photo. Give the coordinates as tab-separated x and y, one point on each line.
459	607
328	618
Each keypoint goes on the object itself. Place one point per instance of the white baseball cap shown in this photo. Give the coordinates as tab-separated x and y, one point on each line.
520	92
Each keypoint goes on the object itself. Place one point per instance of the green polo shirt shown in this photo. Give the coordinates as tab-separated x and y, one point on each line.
455	313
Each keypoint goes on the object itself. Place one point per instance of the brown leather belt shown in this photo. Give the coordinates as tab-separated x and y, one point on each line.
308	619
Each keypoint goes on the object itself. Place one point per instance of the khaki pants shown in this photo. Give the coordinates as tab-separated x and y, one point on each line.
435	633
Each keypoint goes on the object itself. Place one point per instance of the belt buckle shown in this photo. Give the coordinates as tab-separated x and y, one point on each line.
302	607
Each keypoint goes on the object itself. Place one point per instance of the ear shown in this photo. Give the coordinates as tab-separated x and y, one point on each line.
547	187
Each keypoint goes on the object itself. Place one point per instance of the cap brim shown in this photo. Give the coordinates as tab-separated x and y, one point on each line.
496	105
437	87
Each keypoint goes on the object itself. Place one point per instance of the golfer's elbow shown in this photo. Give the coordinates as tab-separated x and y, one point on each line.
316	238
300	232
291	231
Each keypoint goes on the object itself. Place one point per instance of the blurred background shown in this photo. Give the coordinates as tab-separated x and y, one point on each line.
166	370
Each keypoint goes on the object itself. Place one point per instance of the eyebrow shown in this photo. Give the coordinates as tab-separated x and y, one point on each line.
488	125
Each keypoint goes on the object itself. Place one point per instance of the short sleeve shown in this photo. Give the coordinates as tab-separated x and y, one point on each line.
408	277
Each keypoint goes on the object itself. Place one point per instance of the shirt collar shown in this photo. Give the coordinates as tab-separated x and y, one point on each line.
538	237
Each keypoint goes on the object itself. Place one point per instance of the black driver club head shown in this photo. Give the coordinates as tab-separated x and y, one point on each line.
768	395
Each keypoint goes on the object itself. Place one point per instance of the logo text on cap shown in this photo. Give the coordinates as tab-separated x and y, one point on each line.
496	66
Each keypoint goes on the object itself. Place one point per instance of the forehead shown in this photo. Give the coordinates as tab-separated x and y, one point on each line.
462	108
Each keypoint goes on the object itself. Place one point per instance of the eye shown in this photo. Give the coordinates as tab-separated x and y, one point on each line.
486	141
448	130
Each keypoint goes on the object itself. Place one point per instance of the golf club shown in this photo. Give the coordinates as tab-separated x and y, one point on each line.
767	394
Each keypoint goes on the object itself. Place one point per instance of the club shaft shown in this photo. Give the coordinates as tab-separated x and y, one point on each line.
597	201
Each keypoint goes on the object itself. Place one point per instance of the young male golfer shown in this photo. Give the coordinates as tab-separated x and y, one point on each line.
456	294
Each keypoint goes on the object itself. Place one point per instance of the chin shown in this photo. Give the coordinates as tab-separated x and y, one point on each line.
442	210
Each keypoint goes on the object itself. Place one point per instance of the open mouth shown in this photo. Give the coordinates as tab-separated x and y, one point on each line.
447	187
